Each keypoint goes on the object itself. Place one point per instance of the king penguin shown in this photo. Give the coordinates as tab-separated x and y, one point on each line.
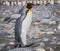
22	24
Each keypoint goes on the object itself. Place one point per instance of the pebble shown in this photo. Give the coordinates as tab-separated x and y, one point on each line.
54	42
58	43
54	37
36	23
50	32
59	26
2	45
53	22
15	15
39	32
20	49
11	43
42	44
45	39
40	49
45	21
49	49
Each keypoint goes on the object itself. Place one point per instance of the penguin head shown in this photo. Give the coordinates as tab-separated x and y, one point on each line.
30	5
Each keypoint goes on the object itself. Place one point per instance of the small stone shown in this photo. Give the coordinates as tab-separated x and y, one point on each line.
58	43
54	13
40	49
2	45
45	39
39	32
50	32
11	43
3	13
55	29
53	22
54	42
15	15
2	19
7	11
49	49
54	37
42	44
5	28
59	26
45	21
36	23
10	36
21	49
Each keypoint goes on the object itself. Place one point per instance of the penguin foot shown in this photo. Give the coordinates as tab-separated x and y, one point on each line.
28	45
18	45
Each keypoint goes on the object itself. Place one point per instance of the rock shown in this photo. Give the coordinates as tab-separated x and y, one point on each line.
54	42
45	21
39	32
12	43
3	32
54	37
49	49
36	23
5	28
50	32
39	49
53	22
42	44
7	11
45	15
49	29
37	20
3	13
58	43
2	45
45	39
2	19
21	49
55	29
59	26
15	15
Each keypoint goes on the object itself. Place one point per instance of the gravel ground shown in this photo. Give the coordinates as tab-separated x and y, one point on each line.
44	31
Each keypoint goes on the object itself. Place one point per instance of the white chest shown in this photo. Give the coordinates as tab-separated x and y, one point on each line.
27	22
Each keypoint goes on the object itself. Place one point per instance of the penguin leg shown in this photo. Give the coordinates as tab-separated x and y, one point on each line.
24	37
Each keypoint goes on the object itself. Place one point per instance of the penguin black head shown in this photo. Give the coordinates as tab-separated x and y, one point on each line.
29	5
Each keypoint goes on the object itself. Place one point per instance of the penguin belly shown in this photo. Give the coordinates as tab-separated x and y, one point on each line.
25	27
27	22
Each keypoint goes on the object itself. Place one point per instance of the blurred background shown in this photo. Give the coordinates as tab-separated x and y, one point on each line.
45	28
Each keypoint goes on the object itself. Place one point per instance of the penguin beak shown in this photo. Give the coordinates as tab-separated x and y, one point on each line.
33	5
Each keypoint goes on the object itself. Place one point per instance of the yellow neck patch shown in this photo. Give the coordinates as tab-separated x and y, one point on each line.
30	11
